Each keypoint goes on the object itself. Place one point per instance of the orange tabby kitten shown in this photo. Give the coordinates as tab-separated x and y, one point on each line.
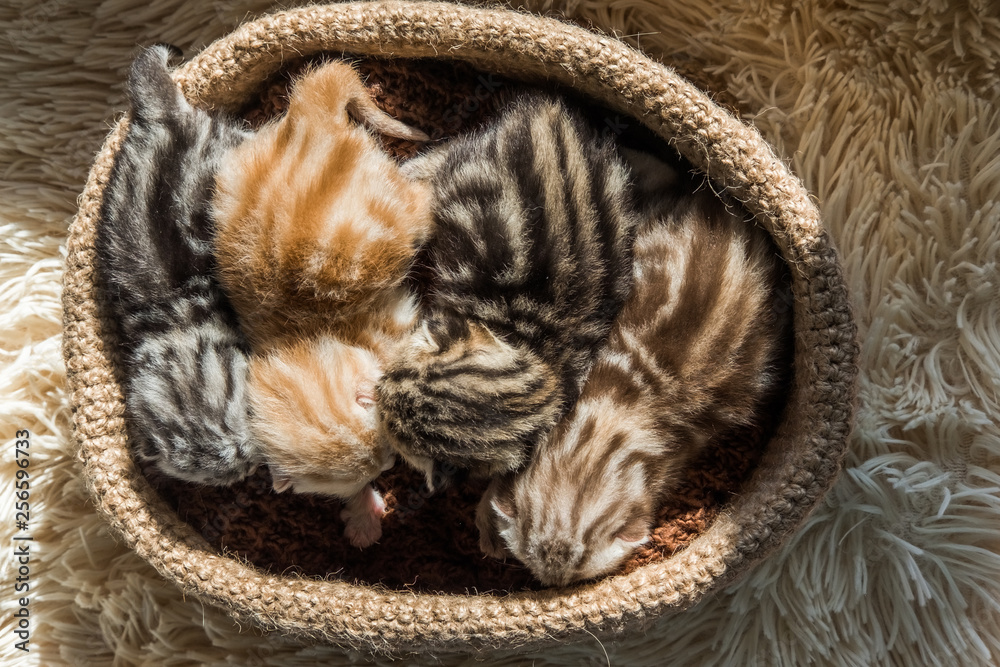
317	228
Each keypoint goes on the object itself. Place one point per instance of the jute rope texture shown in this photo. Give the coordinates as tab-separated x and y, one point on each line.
799	465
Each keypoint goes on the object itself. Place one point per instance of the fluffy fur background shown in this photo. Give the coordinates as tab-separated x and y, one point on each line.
889	111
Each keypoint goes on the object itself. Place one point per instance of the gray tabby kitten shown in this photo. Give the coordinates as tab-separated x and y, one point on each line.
185	364
701	346
529	262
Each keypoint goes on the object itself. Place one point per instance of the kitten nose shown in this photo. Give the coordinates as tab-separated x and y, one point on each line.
557	552
558	558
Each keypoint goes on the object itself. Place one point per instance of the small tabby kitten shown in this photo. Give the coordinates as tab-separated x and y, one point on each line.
317	230
699	348
185	365
530	260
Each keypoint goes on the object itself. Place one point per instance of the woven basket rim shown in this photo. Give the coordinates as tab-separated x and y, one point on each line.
799	463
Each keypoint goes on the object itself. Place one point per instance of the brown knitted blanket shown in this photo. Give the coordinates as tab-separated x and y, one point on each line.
429	541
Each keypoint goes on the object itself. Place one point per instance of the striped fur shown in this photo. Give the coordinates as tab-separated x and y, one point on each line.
317	230
701	345
184	358
530	261
317	223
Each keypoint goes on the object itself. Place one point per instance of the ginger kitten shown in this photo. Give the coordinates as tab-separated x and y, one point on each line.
317	230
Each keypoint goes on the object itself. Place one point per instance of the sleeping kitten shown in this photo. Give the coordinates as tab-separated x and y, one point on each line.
697	351
317	230
530	261
184	359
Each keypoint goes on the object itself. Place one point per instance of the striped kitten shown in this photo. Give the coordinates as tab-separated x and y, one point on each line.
317	230
699	348
530	261
184	360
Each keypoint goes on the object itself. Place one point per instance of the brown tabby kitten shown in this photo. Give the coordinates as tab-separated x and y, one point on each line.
529	261
699	347
317	228
183	357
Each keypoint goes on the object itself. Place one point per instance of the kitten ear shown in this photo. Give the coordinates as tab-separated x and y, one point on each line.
652	178
365	395
281	482
443	329
491	543
501	498
151	91
361	108
503	510
429	474
427	338
420	463
388	461
502	502
634	533
483	335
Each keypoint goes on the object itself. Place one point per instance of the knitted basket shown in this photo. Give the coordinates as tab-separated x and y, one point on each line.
797	467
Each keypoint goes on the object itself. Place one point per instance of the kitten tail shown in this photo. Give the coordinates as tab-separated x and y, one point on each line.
361	108
337	87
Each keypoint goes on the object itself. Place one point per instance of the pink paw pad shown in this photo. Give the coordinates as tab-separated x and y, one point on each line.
363	517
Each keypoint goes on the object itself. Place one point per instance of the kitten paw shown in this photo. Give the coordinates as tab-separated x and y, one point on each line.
490	545
361	532
363	518
490	542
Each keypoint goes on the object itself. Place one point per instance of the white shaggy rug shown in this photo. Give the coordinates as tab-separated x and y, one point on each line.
889	112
